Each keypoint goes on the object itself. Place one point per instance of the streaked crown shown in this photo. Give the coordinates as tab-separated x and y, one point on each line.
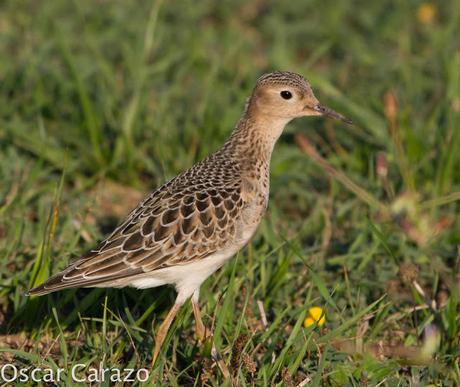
285	78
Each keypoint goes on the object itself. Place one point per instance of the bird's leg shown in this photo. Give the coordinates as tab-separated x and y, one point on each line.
199	326
163	331
203	335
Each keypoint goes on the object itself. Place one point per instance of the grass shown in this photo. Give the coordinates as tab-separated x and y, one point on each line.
362	220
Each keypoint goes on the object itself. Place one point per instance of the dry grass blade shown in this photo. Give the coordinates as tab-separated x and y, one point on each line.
391	113
307	148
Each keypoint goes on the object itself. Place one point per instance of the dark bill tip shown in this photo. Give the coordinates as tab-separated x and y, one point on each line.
325	111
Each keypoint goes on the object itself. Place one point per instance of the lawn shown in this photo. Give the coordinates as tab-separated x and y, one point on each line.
103	101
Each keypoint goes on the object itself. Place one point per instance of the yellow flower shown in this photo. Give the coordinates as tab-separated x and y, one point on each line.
316	316
426	13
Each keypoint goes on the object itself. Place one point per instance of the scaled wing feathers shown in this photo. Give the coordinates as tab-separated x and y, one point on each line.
183	221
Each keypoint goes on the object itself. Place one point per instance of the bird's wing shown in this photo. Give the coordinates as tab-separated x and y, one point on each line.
175	225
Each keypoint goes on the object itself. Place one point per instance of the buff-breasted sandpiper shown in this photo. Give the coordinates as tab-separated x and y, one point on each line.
192	225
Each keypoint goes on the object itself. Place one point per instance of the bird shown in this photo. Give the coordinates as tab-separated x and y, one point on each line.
189	227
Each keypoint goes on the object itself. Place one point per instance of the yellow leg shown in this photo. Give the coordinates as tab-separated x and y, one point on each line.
199	326
163	331
203	335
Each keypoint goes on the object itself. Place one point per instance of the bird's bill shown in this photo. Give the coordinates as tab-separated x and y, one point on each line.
328	112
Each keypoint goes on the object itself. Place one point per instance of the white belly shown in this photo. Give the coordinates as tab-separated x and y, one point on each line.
186	278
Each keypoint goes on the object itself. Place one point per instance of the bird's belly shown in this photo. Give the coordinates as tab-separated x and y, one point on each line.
188	277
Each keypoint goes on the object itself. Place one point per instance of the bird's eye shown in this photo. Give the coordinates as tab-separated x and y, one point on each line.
286	94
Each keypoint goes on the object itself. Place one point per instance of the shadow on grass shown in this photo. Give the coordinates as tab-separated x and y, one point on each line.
72	305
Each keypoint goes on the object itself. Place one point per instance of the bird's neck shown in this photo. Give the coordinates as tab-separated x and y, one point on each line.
255	136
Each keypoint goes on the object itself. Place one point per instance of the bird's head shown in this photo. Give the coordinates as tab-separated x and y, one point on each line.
286	95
